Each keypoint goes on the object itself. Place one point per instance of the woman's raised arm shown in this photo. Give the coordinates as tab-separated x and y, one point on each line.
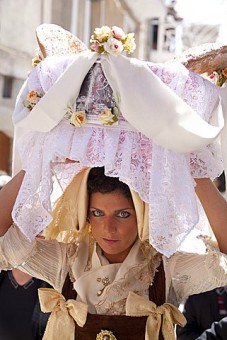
215	207
8	196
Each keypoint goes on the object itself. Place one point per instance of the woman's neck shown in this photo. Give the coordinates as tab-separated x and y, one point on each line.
20	277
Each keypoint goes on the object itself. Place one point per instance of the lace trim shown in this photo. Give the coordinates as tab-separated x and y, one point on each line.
213	263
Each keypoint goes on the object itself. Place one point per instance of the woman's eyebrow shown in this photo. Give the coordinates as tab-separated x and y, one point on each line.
117	210
123	209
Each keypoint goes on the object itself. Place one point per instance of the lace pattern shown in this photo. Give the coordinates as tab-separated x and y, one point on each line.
55	40
161	177
210	261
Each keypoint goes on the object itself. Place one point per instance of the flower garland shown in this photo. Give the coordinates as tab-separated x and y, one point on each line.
112	40
108	116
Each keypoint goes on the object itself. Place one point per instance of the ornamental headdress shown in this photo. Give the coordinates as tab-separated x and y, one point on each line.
155	126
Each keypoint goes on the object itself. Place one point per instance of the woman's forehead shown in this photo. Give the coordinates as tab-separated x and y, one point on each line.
113	200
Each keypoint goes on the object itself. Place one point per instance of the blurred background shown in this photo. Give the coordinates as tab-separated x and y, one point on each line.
163	29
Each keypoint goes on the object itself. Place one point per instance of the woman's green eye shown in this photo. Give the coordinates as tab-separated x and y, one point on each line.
123	214
97	213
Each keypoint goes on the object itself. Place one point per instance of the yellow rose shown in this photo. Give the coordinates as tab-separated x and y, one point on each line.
107	118
78	118
33	97
129	43
102	34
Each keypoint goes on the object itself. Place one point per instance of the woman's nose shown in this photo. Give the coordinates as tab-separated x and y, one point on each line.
110	225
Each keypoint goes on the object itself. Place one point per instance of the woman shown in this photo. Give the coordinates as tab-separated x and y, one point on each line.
111	269
100	236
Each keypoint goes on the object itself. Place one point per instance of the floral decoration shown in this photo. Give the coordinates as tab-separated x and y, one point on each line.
112	40
219	77
32	99
109	116
76	118
36	60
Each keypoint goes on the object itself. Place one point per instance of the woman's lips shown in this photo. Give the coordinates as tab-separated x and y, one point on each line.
110	241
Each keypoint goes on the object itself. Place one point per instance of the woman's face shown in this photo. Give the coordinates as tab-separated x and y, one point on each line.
114	225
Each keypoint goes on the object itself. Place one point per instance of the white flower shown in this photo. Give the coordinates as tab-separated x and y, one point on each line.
113	46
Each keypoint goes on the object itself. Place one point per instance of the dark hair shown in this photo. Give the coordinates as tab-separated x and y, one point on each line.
99	182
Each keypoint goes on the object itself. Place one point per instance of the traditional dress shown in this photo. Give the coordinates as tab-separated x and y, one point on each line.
153	126
105	288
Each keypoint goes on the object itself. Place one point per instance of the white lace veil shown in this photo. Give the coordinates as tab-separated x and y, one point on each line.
166	133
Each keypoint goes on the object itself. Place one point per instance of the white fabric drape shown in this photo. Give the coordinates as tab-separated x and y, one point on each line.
176	127
149	150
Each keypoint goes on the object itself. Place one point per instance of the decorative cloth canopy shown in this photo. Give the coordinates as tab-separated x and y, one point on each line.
155	126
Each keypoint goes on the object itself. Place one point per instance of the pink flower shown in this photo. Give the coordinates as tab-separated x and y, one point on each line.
118	33
212	75
96	47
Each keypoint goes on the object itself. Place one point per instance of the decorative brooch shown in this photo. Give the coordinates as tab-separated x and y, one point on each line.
112	40
105	281
105	335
